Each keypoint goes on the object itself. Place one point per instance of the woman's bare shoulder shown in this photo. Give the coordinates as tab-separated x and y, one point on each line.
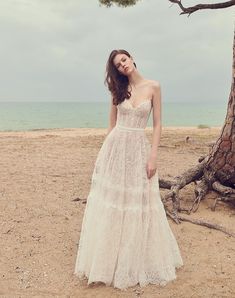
153	83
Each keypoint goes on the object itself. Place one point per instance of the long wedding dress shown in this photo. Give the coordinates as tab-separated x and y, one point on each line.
125	236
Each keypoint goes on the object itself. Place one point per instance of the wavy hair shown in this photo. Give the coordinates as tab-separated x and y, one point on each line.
117	82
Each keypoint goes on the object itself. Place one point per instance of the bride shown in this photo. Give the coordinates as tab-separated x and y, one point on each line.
125	237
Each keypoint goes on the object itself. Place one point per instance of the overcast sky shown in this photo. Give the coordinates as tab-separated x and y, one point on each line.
56	50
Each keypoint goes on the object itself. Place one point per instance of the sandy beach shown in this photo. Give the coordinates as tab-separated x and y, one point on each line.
43	171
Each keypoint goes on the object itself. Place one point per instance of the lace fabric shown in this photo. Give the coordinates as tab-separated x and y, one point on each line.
125	236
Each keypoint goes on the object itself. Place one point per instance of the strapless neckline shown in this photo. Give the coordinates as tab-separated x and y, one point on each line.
143	102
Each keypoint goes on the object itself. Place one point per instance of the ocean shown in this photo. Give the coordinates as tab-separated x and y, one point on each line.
15	116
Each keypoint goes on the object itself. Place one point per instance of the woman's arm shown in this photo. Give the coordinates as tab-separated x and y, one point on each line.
112	117
157	126
157	129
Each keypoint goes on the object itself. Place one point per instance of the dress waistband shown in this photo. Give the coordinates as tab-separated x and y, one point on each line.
129	128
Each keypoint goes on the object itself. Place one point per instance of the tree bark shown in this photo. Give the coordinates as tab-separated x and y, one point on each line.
221	162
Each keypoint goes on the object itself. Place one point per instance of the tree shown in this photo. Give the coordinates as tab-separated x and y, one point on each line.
216	171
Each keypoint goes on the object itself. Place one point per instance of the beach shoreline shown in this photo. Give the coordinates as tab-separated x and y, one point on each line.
84	130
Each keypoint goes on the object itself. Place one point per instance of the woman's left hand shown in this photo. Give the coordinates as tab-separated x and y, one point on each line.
151	167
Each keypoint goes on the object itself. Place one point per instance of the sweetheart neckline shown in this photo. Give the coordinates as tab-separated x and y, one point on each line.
144	101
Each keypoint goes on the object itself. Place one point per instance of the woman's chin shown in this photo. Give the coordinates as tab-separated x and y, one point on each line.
128	72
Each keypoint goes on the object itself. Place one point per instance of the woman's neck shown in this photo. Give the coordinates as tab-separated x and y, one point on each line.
135	78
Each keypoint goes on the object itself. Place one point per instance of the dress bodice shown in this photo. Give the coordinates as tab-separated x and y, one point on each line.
133	117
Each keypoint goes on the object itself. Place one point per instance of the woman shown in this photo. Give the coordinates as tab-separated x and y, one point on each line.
125	237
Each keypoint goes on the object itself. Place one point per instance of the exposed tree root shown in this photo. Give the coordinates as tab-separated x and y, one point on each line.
179	182
201	190
200	222
176	220
224	190
192	174
202	186
227	194
208	225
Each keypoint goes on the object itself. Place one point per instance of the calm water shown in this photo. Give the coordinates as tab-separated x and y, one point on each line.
41	115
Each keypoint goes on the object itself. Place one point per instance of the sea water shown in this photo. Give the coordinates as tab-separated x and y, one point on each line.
42	115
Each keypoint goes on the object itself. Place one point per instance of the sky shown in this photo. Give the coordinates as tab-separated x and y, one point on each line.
56	50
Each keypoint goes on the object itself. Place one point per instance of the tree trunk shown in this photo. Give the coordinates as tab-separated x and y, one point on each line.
221	162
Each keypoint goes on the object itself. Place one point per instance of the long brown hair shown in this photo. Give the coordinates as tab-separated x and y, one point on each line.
117	82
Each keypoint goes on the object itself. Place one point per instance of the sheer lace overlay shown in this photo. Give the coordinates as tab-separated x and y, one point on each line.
125	237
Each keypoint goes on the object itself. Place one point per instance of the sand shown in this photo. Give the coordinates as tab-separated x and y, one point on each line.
42	171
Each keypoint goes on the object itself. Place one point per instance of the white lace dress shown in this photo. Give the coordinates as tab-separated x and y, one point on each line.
125	236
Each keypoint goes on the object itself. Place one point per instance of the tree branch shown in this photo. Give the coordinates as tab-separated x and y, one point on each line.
191	9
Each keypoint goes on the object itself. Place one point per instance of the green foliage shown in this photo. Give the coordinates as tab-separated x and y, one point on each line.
203	126
123	3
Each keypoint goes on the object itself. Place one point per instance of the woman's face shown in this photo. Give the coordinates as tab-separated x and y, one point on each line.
124	64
